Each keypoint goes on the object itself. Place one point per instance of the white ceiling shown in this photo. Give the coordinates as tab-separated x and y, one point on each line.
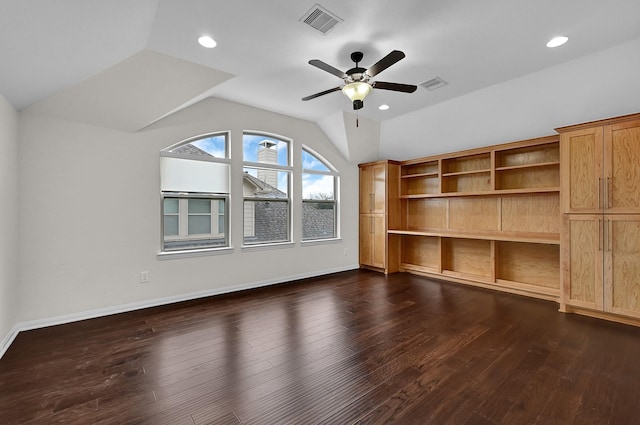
49	47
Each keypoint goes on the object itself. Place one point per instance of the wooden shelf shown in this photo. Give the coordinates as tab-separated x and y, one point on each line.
417	268
551	293
411	176
519	167
554	189
528	237
466	173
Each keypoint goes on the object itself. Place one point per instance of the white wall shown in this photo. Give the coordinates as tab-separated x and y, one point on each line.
602	85
90	215
8	222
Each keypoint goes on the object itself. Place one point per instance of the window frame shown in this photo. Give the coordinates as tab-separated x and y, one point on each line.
183	214
331	171
183	220
270	167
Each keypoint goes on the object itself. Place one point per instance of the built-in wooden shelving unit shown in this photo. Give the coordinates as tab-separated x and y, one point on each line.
489	217
555	217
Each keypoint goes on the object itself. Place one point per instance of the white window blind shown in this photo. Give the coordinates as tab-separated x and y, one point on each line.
185	175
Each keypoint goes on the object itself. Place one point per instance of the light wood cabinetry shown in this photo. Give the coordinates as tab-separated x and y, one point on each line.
601	224
488	217
602	172
378	209
601	264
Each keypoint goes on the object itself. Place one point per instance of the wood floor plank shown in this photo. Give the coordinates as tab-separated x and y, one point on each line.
351	347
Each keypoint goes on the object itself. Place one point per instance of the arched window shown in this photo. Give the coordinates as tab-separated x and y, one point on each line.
319	207
195	193
266	189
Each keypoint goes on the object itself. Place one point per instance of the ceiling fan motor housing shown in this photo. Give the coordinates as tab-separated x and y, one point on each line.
357	74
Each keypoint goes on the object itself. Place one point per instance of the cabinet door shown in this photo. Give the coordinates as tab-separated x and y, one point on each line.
622	167
582	174
366	240
583	261
366	189
622	264
373	186
379	242
373	240
379	188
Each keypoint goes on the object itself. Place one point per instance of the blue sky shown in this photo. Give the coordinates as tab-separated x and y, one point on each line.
214	145
250	148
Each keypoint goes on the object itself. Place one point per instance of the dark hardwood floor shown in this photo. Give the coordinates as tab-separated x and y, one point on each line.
353	347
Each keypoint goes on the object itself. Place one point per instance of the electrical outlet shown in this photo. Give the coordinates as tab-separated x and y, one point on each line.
144	277
346	252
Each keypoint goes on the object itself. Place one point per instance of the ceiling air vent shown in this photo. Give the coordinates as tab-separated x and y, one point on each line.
321	19
434	83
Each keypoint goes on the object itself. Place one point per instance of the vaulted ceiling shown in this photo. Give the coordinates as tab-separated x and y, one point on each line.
83	57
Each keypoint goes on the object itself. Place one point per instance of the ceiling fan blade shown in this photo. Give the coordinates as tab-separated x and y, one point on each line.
328	68
385	62
322	93
405	88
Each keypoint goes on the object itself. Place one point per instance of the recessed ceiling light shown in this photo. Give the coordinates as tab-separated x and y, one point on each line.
383	107
557	41
208	42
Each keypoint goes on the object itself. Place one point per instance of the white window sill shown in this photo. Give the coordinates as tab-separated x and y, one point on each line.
267	246
188	253
315	242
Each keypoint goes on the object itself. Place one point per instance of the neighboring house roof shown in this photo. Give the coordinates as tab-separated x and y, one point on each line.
262	189
190	149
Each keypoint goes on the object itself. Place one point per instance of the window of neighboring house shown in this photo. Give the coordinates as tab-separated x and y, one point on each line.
195	193
319	206
266	189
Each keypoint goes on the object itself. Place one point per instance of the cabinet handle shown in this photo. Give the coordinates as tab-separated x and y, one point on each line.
371	225
608	192
371	201
599	192
609	234
600	236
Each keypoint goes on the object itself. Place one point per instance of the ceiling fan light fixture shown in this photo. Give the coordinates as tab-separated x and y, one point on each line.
356	92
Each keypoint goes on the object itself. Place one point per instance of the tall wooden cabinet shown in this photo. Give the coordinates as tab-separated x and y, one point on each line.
600	186
378	210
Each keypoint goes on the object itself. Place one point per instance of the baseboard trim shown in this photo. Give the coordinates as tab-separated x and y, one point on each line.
8	340
107	311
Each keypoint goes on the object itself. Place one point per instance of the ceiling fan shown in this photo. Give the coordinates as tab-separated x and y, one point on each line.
357	80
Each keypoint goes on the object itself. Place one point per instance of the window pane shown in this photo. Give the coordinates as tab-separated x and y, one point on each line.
199	224
266	150
318	220
265	183
201	206
170	225
194	230
171	206
311	162
215	146
266	221
318	186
